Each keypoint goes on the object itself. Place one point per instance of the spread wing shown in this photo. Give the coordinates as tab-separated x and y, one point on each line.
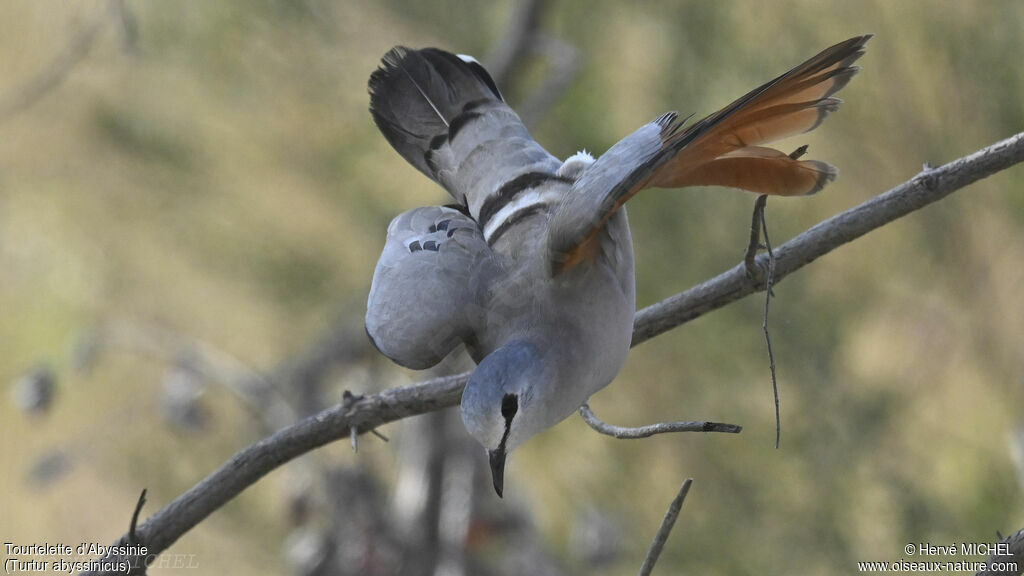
428	281
722	149
444	114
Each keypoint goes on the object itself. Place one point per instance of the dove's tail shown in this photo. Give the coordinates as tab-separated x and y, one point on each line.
421	98
444	114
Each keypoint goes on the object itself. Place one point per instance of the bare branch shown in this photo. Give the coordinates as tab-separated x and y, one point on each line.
754	244
564	59
524	39
259	394
255	461
1013	562
129	25
764	323
666	528
132	537
652	429
52	76
927	187
757	224
508	54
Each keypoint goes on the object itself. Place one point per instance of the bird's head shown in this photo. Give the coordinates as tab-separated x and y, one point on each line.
499	404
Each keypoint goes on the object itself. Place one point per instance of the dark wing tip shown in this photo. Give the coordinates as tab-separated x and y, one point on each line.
828	173
483	74
466	63
389	64
666	119
854	48
857	43
379	81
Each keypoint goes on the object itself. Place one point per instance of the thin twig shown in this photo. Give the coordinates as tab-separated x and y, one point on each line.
925	188
652	429
666	528
255	461
764	323
1009	560
132	536
564	60
753	271
347	400
262	396
509	53
129	25
754	244
60	68
524	40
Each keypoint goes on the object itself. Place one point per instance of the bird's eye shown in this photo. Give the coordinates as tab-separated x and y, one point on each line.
509	406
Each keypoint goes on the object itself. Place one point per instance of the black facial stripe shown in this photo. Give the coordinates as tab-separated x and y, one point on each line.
509	406
509	190
504	436
514	219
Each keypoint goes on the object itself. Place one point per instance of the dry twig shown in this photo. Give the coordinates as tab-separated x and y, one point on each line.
652	429
52	76
666	528
1011	564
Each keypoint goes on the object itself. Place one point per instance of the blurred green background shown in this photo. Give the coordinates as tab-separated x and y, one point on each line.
209	170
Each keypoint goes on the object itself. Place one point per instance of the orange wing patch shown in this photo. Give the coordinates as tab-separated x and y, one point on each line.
763	171
724	149
794	103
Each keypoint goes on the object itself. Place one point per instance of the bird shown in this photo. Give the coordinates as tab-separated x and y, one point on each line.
530	267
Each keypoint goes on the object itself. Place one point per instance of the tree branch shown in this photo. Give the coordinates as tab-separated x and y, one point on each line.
768	294
666	528
255	461
652	429
1007	565
929	186
524	39
520	33
79	46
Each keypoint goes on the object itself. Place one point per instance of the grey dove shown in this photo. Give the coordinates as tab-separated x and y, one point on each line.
531	266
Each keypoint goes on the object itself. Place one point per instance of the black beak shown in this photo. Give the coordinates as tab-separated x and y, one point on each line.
497	459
